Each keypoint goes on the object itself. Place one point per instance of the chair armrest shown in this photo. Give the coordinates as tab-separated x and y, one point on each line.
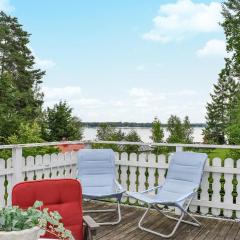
91	228
151	189
120	188
189	195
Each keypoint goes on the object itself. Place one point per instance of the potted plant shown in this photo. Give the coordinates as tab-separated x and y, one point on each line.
29	224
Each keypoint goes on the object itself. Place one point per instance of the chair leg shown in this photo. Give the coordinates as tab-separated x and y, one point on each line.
195	222
179	220
118	209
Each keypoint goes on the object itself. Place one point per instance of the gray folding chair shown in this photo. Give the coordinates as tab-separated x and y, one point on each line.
96	172
181	184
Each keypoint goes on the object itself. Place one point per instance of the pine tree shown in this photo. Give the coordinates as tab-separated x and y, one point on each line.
132	136
233	130
219	109
61	125
157	131
20	98
187	130
157	135
231	26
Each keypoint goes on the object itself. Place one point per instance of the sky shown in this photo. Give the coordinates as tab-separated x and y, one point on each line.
125	60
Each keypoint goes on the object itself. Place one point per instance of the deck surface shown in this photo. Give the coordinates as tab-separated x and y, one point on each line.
211	229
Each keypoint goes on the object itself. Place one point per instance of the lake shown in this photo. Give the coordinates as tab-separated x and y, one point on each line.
144	133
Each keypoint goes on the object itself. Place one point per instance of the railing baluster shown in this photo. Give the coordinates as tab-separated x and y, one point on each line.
132	176
46	166
228	187
124	176
151	170
17	164
142	173
2	181
238	189
216	197
204	196
39	164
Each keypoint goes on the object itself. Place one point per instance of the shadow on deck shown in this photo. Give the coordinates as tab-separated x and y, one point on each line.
128	228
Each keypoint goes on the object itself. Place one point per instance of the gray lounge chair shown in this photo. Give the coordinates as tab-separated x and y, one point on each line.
96	172
181	184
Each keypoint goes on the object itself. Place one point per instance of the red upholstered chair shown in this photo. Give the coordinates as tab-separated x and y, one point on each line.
62	195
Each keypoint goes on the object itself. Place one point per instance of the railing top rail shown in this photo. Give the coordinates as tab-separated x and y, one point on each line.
45	144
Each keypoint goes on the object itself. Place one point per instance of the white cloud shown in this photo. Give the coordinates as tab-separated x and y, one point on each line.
118	104
184	92
213	47
6	6
144	99
138	104
44	63
72	94
139	92
185	17
64	93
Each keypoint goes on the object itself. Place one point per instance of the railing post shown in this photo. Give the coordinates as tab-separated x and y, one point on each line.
179	149
17	164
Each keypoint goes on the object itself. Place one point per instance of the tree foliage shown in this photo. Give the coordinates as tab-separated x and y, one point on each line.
218	110
157	135
231	26
226	91
60	125
28	133
179	132
20	97
157	131
132	136
106	132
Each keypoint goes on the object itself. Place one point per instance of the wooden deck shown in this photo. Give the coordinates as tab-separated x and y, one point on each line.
128	230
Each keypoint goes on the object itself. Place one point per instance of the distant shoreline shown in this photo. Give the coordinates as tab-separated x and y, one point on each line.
133	124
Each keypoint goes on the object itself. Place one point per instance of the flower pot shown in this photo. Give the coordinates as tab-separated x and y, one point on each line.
27	234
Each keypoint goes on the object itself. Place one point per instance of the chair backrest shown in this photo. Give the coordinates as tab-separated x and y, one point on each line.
96	168
185	171
62	195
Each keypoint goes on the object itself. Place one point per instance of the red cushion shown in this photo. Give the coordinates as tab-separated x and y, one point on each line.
62	195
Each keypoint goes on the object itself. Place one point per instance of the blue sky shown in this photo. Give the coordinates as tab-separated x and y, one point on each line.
126	60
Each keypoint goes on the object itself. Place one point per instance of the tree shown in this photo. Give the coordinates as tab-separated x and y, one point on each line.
60	125
132	136
231	26
187	130
179	132
106	132
157	131
9	118
157	135
218	110
224	99
20	97
233	129
28	133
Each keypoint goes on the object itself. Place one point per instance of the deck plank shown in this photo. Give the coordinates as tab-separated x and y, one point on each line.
128	229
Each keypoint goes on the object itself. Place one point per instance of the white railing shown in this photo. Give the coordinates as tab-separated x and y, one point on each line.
136	172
